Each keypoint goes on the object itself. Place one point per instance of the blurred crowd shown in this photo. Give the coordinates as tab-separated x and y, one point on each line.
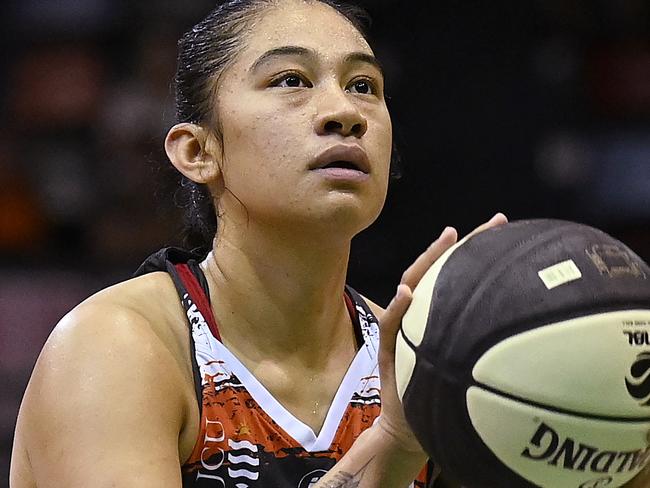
86	102
86	99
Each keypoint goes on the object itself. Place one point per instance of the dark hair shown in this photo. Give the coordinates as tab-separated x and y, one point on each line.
204	53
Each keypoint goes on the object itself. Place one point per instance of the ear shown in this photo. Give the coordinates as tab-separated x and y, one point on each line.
195	152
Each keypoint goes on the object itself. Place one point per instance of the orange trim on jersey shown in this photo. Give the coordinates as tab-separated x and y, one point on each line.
235	427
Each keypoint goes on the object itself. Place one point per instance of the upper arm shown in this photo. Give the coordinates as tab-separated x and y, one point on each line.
104	404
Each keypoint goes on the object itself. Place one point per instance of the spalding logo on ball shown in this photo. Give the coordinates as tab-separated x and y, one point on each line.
639	384
520	363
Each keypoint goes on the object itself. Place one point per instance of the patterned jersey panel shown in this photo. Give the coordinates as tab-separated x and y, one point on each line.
247	439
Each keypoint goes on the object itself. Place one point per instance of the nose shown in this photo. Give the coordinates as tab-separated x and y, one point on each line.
337	114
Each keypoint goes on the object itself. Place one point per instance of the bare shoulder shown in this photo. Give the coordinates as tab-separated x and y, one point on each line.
149	302
127	321
110	386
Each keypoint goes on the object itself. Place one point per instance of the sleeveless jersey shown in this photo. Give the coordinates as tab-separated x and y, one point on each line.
247	439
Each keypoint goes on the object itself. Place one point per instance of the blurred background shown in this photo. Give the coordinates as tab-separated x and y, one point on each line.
537	109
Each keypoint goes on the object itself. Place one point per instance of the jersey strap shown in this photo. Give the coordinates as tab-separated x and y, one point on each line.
189	279
194	297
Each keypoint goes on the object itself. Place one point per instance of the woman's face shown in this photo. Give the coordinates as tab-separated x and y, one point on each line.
304	93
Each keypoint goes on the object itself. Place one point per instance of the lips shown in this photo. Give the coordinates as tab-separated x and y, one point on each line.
342	156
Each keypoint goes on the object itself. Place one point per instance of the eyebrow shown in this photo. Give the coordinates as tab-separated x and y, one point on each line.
356	56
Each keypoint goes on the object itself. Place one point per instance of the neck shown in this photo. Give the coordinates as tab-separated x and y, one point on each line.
280	294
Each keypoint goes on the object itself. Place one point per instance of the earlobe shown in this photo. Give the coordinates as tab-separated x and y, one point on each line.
193	152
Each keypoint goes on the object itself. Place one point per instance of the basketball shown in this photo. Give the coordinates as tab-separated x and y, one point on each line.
524	359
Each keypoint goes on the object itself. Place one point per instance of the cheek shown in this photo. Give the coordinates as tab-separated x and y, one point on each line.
258	149
383	142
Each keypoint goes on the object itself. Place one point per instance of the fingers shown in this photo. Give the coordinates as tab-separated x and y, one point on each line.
498	219
392	317
448	238
414	273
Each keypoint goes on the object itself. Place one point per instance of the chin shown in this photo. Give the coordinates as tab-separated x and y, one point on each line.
348	219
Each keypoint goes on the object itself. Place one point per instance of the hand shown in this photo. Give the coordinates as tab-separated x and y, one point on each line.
641	480
392	418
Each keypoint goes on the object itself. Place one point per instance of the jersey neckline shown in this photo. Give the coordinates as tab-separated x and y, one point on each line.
194	292
362	365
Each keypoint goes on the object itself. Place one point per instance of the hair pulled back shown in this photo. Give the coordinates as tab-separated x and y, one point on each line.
204	53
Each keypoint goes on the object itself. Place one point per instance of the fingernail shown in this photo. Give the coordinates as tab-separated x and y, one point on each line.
398	292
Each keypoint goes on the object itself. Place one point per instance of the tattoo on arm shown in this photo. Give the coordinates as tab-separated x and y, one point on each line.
348	480
344	480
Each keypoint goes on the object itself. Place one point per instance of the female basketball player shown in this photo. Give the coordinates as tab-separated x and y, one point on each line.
283	120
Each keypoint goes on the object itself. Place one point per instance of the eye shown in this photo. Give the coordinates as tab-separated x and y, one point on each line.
362	86
290	80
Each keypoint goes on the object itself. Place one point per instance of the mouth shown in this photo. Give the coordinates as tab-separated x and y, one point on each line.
342	165
342	157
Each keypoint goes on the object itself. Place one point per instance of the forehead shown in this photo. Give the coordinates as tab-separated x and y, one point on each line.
307	24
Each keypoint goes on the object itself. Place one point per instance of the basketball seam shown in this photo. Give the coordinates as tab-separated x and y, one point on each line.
560	410
406	338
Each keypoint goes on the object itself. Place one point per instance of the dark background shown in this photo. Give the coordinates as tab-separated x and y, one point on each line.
534	108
